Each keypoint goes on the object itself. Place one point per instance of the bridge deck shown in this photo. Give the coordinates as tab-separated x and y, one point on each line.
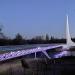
15	54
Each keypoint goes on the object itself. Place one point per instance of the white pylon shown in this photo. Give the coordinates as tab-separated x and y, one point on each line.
68	37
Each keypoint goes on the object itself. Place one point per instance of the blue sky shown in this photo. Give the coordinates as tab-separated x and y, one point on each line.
37	17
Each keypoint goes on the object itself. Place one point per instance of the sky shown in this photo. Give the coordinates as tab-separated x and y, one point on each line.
37	17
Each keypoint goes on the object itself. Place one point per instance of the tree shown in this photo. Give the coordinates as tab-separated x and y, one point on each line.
47	37
18	39
52	38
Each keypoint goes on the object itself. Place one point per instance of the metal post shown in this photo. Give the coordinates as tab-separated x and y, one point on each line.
35	55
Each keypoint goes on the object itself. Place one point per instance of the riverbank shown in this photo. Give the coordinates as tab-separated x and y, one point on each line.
61	66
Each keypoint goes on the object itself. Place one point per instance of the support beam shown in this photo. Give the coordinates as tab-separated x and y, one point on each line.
35	55
46	54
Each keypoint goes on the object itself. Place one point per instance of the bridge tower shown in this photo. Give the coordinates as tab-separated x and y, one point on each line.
68	37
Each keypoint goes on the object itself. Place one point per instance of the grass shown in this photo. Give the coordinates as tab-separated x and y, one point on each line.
61	66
